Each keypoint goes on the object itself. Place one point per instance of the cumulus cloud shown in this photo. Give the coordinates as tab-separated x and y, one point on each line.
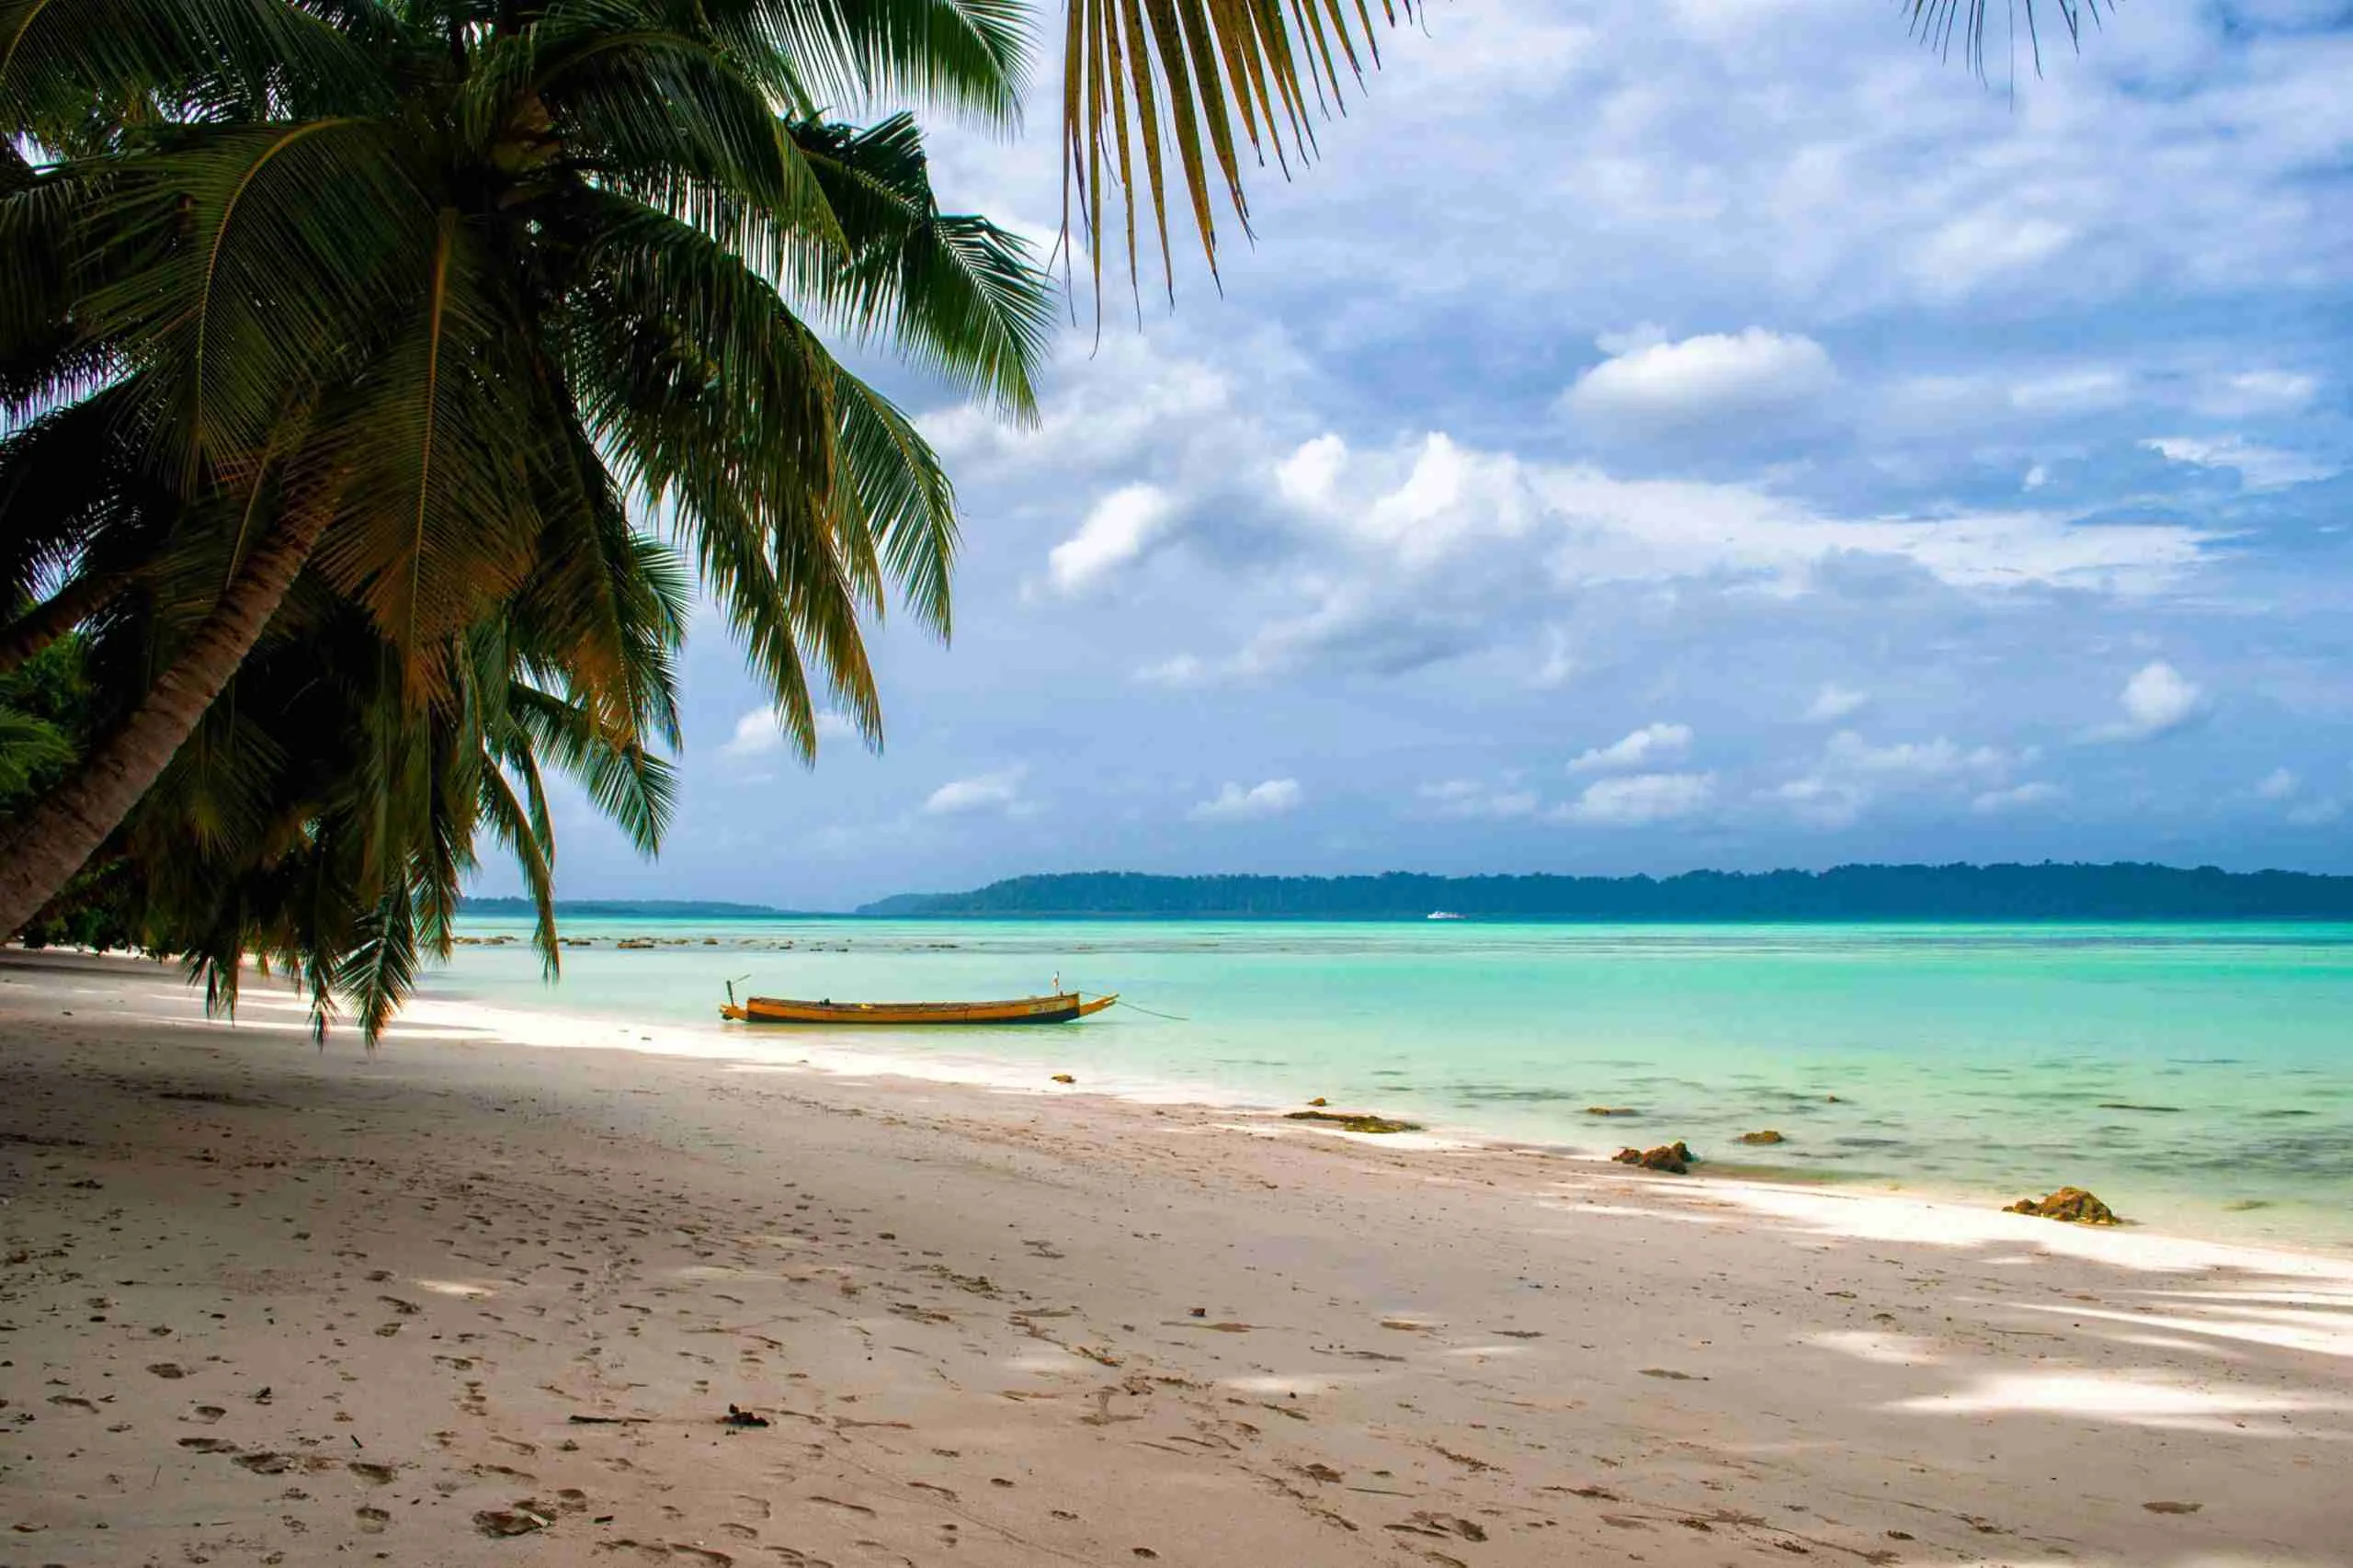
2258	466
1398	558
759	733
1116	532
1647	747
2279	784
998	791
2157	699
1235	803
1658	387
1638	799
1835	703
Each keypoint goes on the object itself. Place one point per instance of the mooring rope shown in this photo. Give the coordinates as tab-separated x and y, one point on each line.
1172	1017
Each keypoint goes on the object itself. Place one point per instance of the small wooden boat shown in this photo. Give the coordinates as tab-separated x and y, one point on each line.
1059	1008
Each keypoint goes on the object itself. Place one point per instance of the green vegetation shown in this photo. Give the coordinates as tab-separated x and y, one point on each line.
2122	891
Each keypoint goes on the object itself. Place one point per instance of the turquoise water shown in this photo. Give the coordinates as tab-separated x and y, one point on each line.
2199	1077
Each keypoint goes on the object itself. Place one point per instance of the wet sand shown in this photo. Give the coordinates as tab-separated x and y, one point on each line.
469	1301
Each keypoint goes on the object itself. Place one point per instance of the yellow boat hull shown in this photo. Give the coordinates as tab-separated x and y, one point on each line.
1057	1010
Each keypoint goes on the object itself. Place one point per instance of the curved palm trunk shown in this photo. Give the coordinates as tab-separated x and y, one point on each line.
22	639
41	851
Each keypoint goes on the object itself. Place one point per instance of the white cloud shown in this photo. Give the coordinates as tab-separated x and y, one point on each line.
2071	392
1976	249
2032	793
2277	784
1000	791
1468	798
1852	775
2258	391
1640	799
1657	387
2259	468
1117	531
1235	803
1647	747
2157	699
759	733
2316	813
1835	703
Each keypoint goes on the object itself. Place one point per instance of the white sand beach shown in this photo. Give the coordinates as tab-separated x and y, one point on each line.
468	1300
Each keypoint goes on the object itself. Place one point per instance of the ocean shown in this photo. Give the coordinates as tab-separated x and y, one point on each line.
2199	1077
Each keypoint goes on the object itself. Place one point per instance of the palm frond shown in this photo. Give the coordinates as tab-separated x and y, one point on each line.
1219	76
897	495
300	244
957	294
58	57
1940	24
427	462
968	56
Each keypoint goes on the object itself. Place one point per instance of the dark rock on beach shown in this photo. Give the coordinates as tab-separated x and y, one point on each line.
1676	1158
1353	1121
2071	1204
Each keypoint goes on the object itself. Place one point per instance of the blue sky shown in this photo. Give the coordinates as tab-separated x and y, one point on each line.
1709	433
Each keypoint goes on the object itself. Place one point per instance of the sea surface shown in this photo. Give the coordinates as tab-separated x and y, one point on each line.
2199	1077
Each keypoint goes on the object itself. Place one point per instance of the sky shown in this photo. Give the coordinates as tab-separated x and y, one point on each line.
1712	433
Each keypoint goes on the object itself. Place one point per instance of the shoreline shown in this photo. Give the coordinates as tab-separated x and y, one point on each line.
551	1029
263	1304
1969	1210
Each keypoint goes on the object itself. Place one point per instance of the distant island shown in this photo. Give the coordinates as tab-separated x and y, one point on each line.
630	909
2119	891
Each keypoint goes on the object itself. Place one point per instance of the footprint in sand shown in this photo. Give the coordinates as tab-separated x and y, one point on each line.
374	1474
372	1521
2166	1507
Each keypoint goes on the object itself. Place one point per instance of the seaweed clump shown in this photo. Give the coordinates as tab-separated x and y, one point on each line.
1675	1158
1353	1121
2071	1204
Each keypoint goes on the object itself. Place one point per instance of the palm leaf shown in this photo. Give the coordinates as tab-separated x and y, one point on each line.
1939	23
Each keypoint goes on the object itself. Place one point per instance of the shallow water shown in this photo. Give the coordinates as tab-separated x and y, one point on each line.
2199	1077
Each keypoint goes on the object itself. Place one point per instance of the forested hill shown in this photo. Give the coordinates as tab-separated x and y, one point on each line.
2122	891
628	909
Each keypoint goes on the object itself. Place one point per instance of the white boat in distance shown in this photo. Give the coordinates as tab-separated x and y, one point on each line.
1442	915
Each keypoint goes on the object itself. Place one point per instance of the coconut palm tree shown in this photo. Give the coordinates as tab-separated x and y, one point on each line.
416	298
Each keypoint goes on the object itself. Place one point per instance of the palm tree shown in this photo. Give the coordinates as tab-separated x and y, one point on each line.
418	299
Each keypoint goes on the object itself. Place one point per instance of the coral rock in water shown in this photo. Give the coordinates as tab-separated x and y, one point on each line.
1767	1136
2070	1203
1674	1157
1611	1110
